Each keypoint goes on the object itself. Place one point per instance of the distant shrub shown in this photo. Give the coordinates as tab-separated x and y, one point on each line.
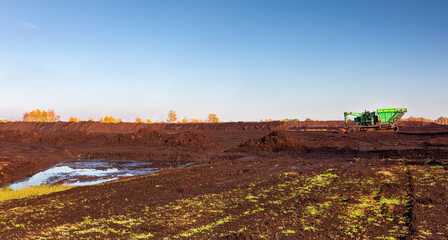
194	120
212	118
148	120
91	120
41	116
172	117
110	119
442	120
291	120
138	120
185	120
74	119
418	119
309	120
4	121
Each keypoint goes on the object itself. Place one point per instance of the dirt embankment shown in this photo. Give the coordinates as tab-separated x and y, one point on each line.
117	128
143	137
121	128
421	126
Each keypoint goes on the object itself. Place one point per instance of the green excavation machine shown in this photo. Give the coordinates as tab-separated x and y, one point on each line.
382	119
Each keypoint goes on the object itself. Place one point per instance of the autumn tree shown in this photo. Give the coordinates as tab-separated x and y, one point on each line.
442	120
185	120
91	120
212	118
195	120
138	120
110	119
74	119
148	120
41	116
172	117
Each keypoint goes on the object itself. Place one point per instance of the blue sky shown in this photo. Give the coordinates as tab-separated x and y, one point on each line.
243	60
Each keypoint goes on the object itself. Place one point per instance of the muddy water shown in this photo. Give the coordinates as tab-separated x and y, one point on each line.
80	172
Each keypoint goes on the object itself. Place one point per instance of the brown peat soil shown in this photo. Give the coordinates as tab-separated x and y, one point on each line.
263	181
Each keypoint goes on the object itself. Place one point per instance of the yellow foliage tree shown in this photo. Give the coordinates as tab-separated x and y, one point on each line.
148	120
110	119
41	116
91	120
442	120
194	120
212	118
172	117
185	120
74	119
138	120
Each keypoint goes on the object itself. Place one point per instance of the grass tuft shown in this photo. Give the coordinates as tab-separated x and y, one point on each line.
8	194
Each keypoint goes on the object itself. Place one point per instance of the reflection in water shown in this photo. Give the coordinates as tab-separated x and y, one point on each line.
80	172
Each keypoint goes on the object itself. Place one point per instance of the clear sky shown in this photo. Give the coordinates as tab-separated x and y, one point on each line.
244	60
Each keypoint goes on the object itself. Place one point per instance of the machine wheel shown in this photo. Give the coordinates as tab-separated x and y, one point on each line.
395	129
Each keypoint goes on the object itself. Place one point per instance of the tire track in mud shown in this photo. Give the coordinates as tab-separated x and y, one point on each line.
409	215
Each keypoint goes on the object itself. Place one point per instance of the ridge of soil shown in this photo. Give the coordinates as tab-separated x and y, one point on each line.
116	128
143	137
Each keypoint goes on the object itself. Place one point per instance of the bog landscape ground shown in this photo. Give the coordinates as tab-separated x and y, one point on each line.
270	180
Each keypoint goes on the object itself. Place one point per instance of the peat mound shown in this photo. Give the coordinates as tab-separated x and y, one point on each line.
274	142
141	137
190	140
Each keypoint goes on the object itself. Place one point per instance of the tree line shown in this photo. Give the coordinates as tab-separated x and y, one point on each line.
50	116
440	120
